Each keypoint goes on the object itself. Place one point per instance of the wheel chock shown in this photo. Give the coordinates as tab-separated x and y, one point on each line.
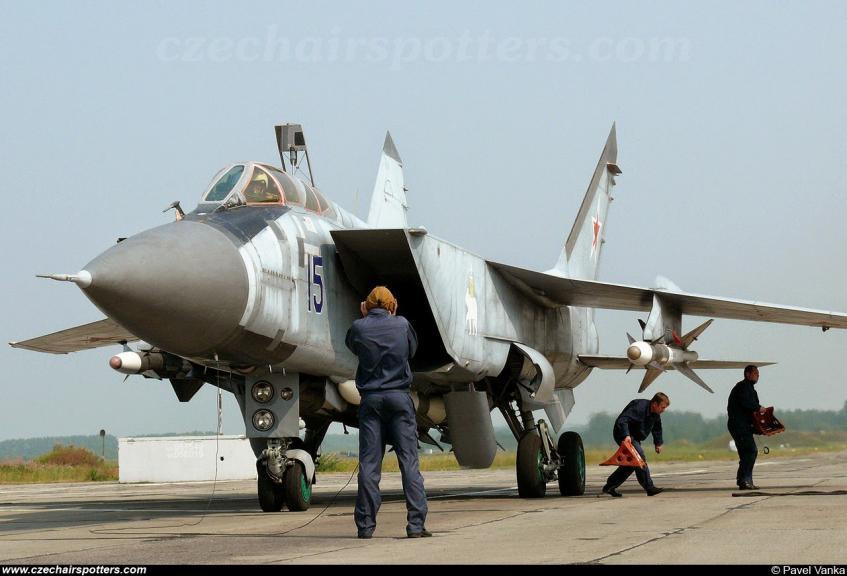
625	456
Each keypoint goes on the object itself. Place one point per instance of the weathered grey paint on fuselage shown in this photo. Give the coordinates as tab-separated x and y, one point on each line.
480	315
298	307
298	296
298	304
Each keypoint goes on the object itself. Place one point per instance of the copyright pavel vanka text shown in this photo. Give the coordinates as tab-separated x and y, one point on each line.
802	570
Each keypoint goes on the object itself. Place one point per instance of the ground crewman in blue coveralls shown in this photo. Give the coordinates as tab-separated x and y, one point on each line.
638	420
743	401
384	343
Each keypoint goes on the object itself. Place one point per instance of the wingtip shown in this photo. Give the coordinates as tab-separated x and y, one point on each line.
390	149
611	147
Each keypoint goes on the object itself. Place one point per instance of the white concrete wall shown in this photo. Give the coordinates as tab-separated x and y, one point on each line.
185	459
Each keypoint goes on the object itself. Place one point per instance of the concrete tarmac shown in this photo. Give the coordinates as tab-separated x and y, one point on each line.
797	517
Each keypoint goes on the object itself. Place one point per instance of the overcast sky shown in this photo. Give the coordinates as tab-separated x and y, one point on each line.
731	136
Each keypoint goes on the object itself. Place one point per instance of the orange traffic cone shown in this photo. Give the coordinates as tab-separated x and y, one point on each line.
625	456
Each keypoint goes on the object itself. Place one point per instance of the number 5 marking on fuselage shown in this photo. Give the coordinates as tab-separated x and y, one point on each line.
315	298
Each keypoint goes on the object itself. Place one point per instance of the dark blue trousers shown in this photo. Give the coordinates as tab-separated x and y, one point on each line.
620	475
747	452
388	417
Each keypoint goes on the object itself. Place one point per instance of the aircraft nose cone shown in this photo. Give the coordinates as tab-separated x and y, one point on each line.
182	286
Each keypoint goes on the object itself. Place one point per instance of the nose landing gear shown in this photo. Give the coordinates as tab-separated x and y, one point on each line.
285	477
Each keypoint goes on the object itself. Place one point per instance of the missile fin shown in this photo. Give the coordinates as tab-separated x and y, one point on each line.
652	374
686	370
694	334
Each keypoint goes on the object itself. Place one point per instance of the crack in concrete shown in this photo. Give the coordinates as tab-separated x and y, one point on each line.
763	498
522	513
678	531
295	558
493	521
58	553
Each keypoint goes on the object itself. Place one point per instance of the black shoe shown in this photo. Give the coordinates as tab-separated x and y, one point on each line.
652	490
365	535
747	486
424	533
611	492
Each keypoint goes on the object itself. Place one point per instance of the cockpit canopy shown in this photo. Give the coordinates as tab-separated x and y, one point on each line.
252	183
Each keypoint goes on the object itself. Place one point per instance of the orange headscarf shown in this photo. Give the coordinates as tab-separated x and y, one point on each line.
381	297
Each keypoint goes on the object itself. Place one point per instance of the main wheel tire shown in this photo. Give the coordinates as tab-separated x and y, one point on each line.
572	469
528	465
271	495
297	488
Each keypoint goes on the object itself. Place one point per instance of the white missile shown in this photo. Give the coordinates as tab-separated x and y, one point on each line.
656	357
126	362
642	353
134	363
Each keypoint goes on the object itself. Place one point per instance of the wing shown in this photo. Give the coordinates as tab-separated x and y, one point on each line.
623	363
94	335
554	291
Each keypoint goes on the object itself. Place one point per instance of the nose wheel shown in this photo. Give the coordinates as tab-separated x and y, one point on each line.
283	479
297	488
271	494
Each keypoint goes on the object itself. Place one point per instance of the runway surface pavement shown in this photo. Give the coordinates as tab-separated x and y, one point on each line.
797	517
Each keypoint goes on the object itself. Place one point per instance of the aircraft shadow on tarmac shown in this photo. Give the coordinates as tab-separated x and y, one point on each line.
82	512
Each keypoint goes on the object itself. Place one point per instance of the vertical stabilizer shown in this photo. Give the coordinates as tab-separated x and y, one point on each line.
580	258
388	202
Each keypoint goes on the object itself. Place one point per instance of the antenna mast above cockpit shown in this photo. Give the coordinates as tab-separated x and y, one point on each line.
291	140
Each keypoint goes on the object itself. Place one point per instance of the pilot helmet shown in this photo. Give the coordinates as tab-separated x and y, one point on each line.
261	178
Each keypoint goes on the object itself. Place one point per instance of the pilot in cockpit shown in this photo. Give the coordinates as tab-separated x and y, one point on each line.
259	190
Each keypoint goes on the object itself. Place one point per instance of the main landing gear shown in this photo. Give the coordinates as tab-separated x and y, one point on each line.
539	462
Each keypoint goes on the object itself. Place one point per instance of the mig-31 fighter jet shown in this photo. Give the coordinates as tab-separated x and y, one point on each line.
253	292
